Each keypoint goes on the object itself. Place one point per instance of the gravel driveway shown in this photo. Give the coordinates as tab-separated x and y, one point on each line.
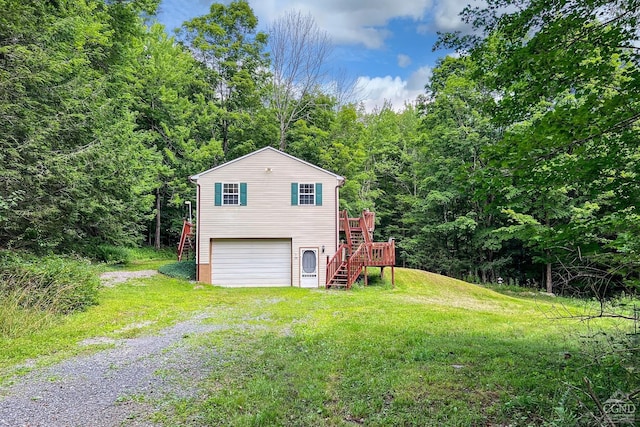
119	386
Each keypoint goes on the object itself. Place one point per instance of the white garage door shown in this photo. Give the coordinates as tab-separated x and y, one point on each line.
251	262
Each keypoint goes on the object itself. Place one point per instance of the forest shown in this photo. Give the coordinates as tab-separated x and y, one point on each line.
520	162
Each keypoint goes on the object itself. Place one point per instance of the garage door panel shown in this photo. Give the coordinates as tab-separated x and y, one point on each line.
251	262
261	265
232	252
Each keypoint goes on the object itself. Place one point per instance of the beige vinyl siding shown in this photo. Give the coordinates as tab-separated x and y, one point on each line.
269	213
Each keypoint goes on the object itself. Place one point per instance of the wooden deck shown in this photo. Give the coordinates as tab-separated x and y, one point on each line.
359	251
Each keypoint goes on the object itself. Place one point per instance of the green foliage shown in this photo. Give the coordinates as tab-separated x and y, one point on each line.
75	168
448	221
181	270
148	253
110	254
55	284
231	50
166	88
522	154
565	77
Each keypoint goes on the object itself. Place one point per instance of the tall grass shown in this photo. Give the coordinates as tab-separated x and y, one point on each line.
121	255
34	291
17	319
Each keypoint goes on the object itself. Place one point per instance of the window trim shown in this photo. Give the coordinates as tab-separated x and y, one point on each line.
311	194
226	193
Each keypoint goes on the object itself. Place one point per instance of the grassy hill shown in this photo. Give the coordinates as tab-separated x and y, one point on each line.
431	351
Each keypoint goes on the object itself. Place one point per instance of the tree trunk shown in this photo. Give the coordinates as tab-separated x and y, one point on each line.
283	139
157	242
549	279
225	138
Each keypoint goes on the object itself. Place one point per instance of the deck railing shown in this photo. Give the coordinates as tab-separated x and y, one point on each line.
382	254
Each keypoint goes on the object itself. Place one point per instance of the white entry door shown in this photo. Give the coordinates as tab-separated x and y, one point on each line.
309	267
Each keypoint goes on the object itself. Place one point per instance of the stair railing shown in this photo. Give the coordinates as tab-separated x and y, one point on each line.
333	266
369	219
366	233
356	263
346	227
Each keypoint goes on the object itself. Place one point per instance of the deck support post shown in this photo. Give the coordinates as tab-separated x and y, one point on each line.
382	272
393	276
366	276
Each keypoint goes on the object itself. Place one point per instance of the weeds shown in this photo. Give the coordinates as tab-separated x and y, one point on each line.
17	320
34	291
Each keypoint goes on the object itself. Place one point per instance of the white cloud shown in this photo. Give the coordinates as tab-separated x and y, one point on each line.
423	29
363	21
404	60
394	90
446	14
348	21
419	78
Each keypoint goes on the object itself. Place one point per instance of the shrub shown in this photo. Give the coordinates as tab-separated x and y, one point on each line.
147	253
52	283
110	254
181	270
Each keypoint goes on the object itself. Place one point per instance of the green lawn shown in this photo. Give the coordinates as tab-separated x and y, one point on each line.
431	351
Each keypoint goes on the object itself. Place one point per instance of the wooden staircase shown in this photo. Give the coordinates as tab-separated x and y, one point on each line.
186	240
358	252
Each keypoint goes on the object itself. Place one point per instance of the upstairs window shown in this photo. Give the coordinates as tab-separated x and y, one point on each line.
306	194
230	194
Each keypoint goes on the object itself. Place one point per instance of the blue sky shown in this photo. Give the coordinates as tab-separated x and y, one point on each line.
385	44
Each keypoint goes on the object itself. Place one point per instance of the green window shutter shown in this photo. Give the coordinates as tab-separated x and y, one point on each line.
218	194
243	194
294	194
318	194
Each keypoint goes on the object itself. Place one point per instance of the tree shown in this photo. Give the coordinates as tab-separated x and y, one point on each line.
298	51
76	171
164	85
451	218
227	43
345	155
567	76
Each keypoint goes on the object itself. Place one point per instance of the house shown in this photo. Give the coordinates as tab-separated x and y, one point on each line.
271	219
